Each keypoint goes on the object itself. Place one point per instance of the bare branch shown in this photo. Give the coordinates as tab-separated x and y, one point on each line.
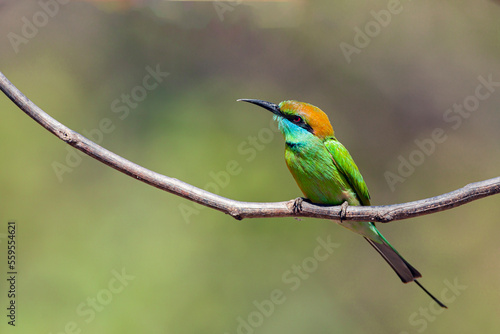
240	210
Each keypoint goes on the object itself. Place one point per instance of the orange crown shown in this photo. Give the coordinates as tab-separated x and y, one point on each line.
312	115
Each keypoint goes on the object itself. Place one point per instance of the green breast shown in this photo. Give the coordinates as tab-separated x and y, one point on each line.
315	173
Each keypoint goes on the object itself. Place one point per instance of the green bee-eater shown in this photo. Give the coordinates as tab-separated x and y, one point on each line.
326	173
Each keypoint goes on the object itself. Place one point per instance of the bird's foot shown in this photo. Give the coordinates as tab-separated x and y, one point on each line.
297	205
343	210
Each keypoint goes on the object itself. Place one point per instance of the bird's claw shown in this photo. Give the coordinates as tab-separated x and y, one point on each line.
297	205
343	211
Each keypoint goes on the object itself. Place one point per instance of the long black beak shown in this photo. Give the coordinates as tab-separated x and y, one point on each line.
274	108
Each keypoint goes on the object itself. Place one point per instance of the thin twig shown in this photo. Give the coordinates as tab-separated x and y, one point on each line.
237	209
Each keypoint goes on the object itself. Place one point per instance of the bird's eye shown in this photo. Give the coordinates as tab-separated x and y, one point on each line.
297	119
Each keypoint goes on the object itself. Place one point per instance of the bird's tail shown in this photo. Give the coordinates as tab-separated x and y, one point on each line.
406	272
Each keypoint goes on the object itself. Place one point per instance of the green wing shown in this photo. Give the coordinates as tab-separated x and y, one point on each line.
346	166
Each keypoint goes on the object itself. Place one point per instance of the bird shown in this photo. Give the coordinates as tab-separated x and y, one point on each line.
327	174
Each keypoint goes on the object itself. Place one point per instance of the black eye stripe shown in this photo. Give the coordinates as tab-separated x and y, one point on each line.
295	119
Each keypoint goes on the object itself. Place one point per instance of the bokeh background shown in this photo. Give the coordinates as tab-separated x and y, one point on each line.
188	269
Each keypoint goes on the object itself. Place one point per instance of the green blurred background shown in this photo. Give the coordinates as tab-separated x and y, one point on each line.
209	273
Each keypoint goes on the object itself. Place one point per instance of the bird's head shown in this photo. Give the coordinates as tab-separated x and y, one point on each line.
296	117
